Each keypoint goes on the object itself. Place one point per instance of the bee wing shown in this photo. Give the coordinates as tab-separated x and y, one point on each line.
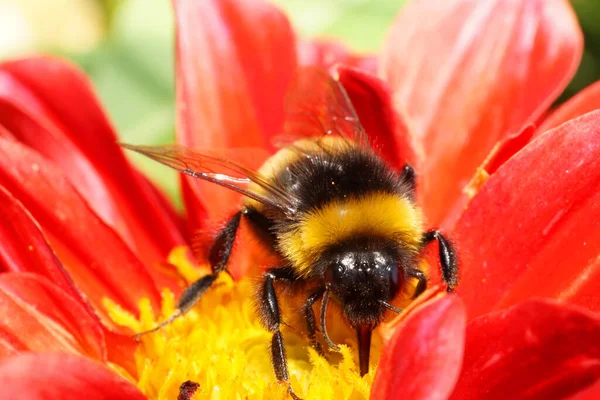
218	170
318	105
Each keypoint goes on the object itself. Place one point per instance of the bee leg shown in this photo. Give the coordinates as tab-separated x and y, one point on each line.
218	257
262	227
422	281
221	248
271	318
448	261
311	322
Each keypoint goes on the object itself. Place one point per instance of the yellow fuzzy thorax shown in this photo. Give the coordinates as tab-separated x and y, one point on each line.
221	345
378	214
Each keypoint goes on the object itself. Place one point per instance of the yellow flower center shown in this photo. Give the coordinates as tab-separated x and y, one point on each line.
221	345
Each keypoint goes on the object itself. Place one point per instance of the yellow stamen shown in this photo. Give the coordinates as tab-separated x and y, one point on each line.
221	345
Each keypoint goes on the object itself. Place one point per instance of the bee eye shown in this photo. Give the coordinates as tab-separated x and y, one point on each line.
335	274
338	270
394	278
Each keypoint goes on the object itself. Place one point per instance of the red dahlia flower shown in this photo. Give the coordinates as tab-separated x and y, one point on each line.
87	243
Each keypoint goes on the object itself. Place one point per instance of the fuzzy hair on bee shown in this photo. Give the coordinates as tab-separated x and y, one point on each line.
344	223
344	194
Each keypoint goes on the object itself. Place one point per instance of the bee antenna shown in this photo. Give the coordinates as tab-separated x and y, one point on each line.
391	307
323	323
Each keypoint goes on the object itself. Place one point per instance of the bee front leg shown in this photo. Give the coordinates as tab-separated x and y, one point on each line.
421	281
218	257
448	261
271	318
311	321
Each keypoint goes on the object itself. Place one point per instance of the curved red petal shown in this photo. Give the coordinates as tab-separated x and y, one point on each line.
422	359
470	72
328	53
387	129
120	349
37	315
50	106
506	148
196	211
531	229
24	247
536	350
500	153
10	344
590	393
44	318
235	60
62	377
161	198
97	259
4	133
583	102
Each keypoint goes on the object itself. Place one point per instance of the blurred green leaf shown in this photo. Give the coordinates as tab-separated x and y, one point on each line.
143	34
364	25
133	74
588	12
588	72
146	30
361	24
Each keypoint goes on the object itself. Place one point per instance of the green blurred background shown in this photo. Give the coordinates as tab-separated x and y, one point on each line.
126	47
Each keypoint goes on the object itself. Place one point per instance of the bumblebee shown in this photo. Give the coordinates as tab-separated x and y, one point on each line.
343	222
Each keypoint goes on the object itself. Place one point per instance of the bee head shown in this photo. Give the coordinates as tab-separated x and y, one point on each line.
362	281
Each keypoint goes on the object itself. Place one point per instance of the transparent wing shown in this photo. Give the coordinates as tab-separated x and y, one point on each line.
218	170
317	105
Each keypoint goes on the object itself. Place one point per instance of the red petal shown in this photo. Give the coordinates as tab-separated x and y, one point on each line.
163	200
422	359
50	106
501	152
62	377
196	211
24	247
327	53
44	318
536	350
4	133
10	344
388	131
97	259
590	393
532	228
234	62
37	314
471	72
121	350
583	102
220	202
506	148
